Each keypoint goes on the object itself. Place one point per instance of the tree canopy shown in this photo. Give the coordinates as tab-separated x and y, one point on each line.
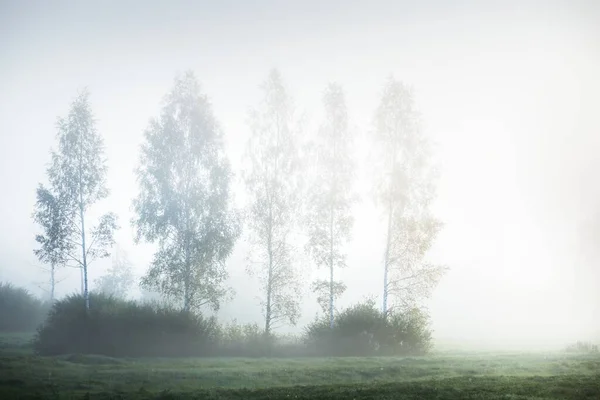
184	199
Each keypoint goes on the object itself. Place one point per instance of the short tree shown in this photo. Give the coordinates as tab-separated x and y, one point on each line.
77	180
272	182
184	199
331	196
50	215
405	188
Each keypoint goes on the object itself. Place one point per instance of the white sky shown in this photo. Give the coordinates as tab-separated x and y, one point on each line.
508	90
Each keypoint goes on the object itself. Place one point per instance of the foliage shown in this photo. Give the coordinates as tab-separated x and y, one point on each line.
77	178
407	333
20	311
183	203
272	182
119	279
324	289
247	340
120	328
50	214
362	330
405	188
329	207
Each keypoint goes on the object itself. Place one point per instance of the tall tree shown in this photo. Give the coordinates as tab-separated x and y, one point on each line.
77	179
119	279
272	181
184	199
405	187
331	195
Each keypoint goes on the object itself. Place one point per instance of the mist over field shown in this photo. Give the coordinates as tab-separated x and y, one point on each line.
507	92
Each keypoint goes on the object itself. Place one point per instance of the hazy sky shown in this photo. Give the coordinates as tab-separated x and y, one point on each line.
509	91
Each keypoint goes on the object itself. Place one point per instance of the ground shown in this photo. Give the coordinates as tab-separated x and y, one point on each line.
440	376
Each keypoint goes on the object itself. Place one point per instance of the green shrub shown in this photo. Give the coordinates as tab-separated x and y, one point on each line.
246	340
249	340
19	310
120	328
362	330
407	333
355	332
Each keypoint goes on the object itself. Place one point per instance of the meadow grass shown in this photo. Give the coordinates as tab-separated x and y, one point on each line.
476	376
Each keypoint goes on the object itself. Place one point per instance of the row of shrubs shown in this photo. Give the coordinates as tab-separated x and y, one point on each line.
122	328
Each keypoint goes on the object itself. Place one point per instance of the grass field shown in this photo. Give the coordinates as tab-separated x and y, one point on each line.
441	376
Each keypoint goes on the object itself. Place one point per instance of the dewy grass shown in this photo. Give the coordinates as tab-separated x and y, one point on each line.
512	376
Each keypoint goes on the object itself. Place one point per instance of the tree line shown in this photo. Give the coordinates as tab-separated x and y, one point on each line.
293	182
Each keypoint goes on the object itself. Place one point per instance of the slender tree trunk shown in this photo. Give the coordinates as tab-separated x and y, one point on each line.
186	282
269	192
52	283
331	266
268	315
187	243
331	217
389	235
86	293
387	259
186	292
81	278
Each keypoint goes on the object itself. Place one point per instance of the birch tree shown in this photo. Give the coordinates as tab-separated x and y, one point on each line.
331	195
184	200
272	182
77	181
53	242
405	188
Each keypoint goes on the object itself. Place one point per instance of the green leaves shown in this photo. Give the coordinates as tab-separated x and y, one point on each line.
183	202
102	238
329	219
50	213
322	288
78	167
77	180
273	181
405	187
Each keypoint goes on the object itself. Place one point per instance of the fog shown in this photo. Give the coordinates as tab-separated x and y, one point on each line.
509	92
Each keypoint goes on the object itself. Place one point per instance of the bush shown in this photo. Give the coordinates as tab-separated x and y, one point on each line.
19	310
362	330
582	347
408	333
353	334
249	340
246	340
120	328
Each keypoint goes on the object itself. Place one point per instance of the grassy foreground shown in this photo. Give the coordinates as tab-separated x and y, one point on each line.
467	376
